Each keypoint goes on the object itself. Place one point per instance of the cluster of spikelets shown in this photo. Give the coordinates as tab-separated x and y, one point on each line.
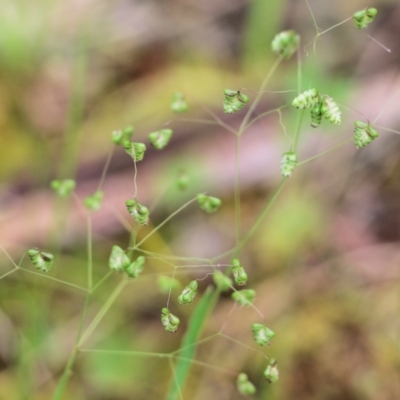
321	105
262	335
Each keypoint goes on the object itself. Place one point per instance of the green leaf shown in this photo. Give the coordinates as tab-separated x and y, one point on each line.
192	335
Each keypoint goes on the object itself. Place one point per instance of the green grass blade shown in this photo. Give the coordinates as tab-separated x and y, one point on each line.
196	325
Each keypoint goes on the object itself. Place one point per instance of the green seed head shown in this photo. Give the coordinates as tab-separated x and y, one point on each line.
244	386
285	43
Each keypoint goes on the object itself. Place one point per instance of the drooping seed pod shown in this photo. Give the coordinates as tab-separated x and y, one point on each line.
244	386
208	203
285	43
316	115
161	138
239	273
364	134
179	104
188	293
223	282
93	202
120	136
118	259
234	101
261	334
41	260
63	187
138	211
135	150
244	297
135	268
330	110
167	283
183	180
364	17
169	321
308	99
271	373
288	163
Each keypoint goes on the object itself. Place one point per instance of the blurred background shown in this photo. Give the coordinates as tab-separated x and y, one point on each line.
324	261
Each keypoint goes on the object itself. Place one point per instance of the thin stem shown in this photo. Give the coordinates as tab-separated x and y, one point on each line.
126	353
54	279
335	26
9	273
242	344
8	256
105	169
386	106
197	121
208	338
258	97
207	365
165	221
264	114
218	120
267	207
101	281
324	152
62	384
237	189
89	252
297	133
313	17
176	380
97	319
